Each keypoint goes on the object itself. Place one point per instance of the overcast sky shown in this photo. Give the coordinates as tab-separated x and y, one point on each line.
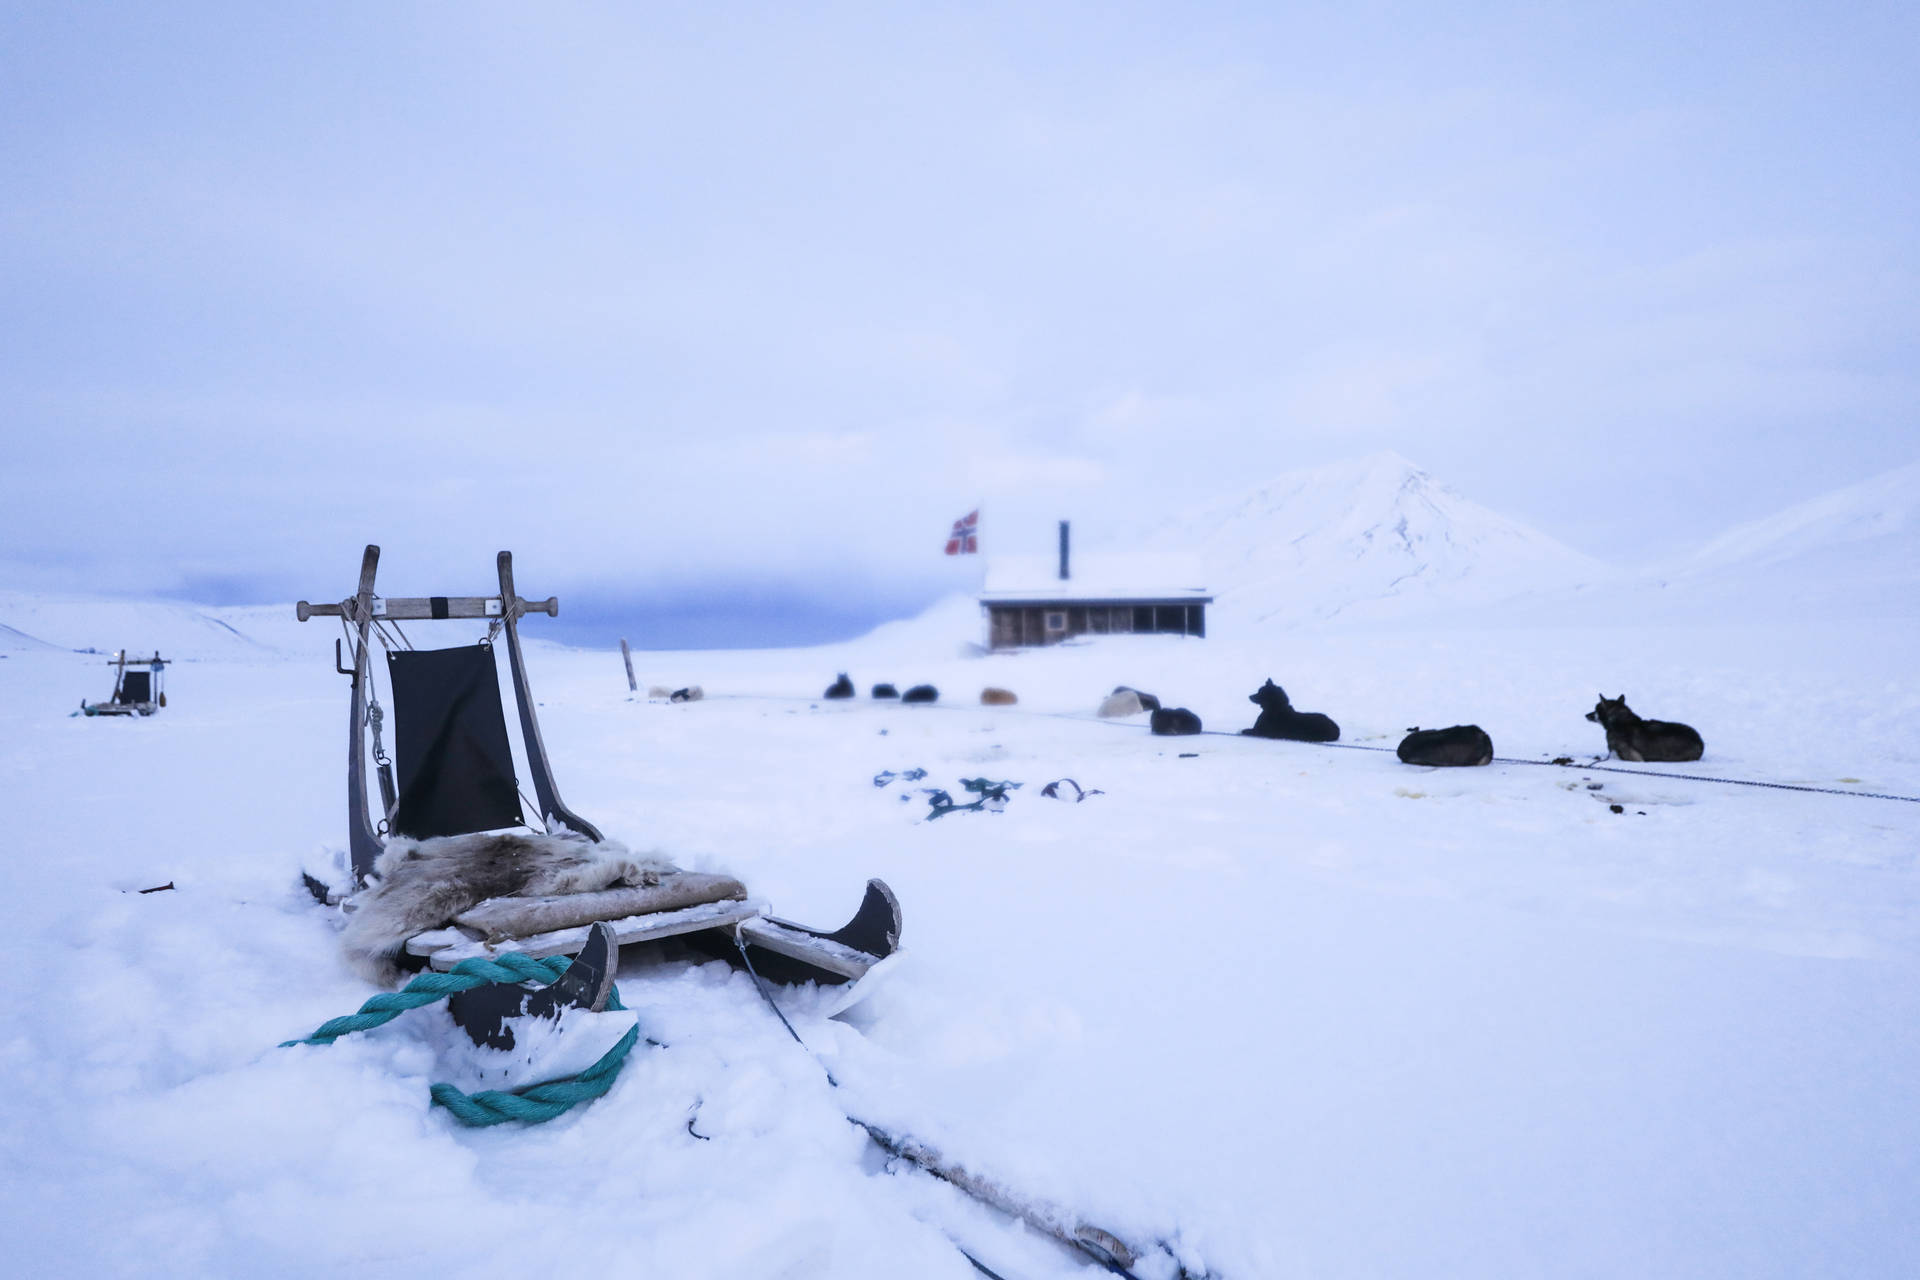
699	302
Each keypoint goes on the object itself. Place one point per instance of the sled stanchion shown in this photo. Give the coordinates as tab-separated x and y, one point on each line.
551	806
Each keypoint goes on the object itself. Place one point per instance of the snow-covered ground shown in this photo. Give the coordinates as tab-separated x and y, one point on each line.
1303	1010
1296	1010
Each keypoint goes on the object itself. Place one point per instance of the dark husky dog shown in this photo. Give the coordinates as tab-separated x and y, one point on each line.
1173	722
1463	744
1278	719
1631	738
841	688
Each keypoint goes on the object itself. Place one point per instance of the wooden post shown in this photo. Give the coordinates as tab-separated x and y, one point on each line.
626	656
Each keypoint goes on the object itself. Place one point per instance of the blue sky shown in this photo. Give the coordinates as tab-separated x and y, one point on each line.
689	302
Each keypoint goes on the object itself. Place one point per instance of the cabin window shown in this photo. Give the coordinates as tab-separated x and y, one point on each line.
1056	620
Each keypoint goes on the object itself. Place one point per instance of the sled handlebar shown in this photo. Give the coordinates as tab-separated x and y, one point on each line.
413	608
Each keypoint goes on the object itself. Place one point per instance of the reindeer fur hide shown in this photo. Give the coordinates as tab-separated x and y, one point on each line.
423	884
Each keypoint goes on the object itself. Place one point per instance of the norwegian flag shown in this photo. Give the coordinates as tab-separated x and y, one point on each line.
965	538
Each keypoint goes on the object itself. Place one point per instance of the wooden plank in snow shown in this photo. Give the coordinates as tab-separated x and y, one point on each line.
425	944
639	928
499	918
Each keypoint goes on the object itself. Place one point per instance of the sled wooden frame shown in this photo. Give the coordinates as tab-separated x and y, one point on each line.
115	706
680	903
360	611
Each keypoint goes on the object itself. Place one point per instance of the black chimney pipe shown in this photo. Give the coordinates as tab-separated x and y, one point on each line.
1063	551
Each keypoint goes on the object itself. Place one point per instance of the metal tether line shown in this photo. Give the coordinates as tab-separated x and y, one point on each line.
1355	746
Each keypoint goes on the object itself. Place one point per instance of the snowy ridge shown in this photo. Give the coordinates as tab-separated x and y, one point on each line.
1851	553
1880	512
31	621
1854	552
1369	538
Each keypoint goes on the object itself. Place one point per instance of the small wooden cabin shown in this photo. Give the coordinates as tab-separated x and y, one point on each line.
1031	601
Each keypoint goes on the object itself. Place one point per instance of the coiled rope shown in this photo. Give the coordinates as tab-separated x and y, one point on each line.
535	1104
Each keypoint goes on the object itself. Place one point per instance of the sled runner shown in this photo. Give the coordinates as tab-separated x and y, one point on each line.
432	884
134	692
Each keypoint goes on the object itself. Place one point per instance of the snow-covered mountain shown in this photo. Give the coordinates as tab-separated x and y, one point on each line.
1369	538
1851	553
1877	519
35	622
1862	541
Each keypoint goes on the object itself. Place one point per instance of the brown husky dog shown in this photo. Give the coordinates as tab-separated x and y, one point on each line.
1631	738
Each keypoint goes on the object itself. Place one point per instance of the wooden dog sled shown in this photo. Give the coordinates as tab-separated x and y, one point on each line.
134	692
452	774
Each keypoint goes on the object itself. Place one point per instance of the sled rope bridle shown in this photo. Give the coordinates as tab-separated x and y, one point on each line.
535	1104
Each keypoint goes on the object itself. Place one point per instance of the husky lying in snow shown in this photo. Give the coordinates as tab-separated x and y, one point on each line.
1278	719
1463	744
423	884
1173	722
1640	741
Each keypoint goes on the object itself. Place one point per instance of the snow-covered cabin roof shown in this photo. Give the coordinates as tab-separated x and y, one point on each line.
1135	576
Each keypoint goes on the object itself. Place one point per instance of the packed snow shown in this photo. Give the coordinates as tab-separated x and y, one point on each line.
1294	1010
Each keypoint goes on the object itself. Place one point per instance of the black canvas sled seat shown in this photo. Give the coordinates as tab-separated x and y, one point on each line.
451	781
134	692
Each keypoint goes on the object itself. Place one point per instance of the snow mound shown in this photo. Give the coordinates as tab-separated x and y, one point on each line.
950	627
1370	538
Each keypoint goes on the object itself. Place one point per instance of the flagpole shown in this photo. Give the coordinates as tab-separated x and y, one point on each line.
979	524
986	625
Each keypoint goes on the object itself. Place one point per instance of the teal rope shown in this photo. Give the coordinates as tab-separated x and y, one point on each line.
541	1102
534	1105
429	988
